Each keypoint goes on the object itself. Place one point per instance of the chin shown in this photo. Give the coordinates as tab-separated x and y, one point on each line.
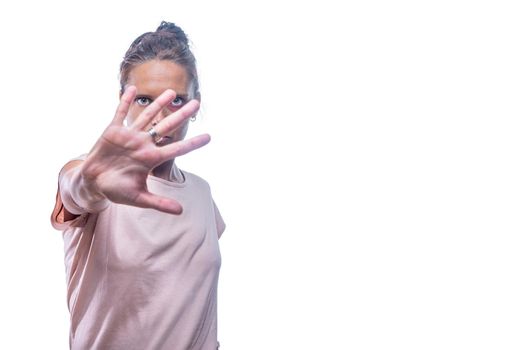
166	140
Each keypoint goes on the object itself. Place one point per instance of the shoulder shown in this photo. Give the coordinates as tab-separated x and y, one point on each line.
195	179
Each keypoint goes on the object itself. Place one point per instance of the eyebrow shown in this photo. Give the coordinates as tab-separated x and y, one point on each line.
184	96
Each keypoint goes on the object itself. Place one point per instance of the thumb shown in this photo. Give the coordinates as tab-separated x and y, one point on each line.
167	205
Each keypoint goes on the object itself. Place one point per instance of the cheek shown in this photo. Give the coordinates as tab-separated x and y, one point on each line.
181	132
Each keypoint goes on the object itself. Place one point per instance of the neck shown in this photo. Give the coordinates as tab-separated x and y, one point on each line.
168	171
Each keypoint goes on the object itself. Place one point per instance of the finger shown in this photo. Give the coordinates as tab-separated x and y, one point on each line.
163	204
180	148
174	120
123	107
152	110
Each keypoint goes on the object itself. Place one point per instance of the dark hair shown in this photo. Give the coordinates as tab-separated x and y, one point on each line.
168	42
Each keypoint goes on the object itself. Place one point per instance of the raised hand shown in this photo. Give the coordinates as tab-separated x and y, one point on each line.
118	165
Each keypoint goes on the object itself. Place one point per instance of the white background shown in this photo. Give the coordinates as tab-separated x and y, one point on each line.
366	155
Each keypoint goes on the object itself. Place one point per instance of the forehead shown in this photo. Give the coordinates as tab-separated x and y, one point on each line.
155	76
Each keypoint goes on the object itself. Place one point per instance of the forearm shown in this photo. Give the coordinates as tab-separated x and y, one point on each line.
78	194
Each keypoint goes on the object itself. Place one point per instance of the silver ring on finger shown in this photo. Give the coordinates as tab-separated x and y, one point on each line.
156	137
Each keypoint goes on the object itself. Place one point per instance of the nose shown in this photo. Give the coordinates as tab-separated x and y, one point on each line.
164	112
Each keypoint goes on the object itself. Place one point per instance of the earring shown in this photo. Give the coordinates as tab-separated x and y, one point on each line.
193	118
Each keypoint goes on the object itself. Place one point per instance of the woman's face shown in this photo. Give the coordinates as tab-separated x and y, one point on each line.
152	78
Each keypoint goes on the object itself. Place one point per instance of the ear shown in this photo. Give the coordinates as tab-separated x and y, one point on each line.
198	97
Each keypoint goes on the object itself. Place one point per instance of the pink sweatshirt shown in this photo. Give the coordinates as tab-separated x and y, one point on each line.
142	279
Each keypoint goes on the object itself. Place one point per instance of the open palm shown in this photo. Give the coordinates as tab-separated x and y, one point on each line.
118	165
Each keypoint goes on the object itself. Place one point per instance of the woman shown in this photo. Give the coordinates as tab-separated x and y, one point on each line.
141	236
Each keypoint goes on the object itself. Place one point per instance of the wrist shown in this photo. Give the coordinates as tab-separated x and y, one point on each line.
81	193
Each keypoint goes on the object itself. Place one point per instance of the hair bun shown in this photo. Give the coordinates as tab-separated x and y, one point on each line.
174	29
